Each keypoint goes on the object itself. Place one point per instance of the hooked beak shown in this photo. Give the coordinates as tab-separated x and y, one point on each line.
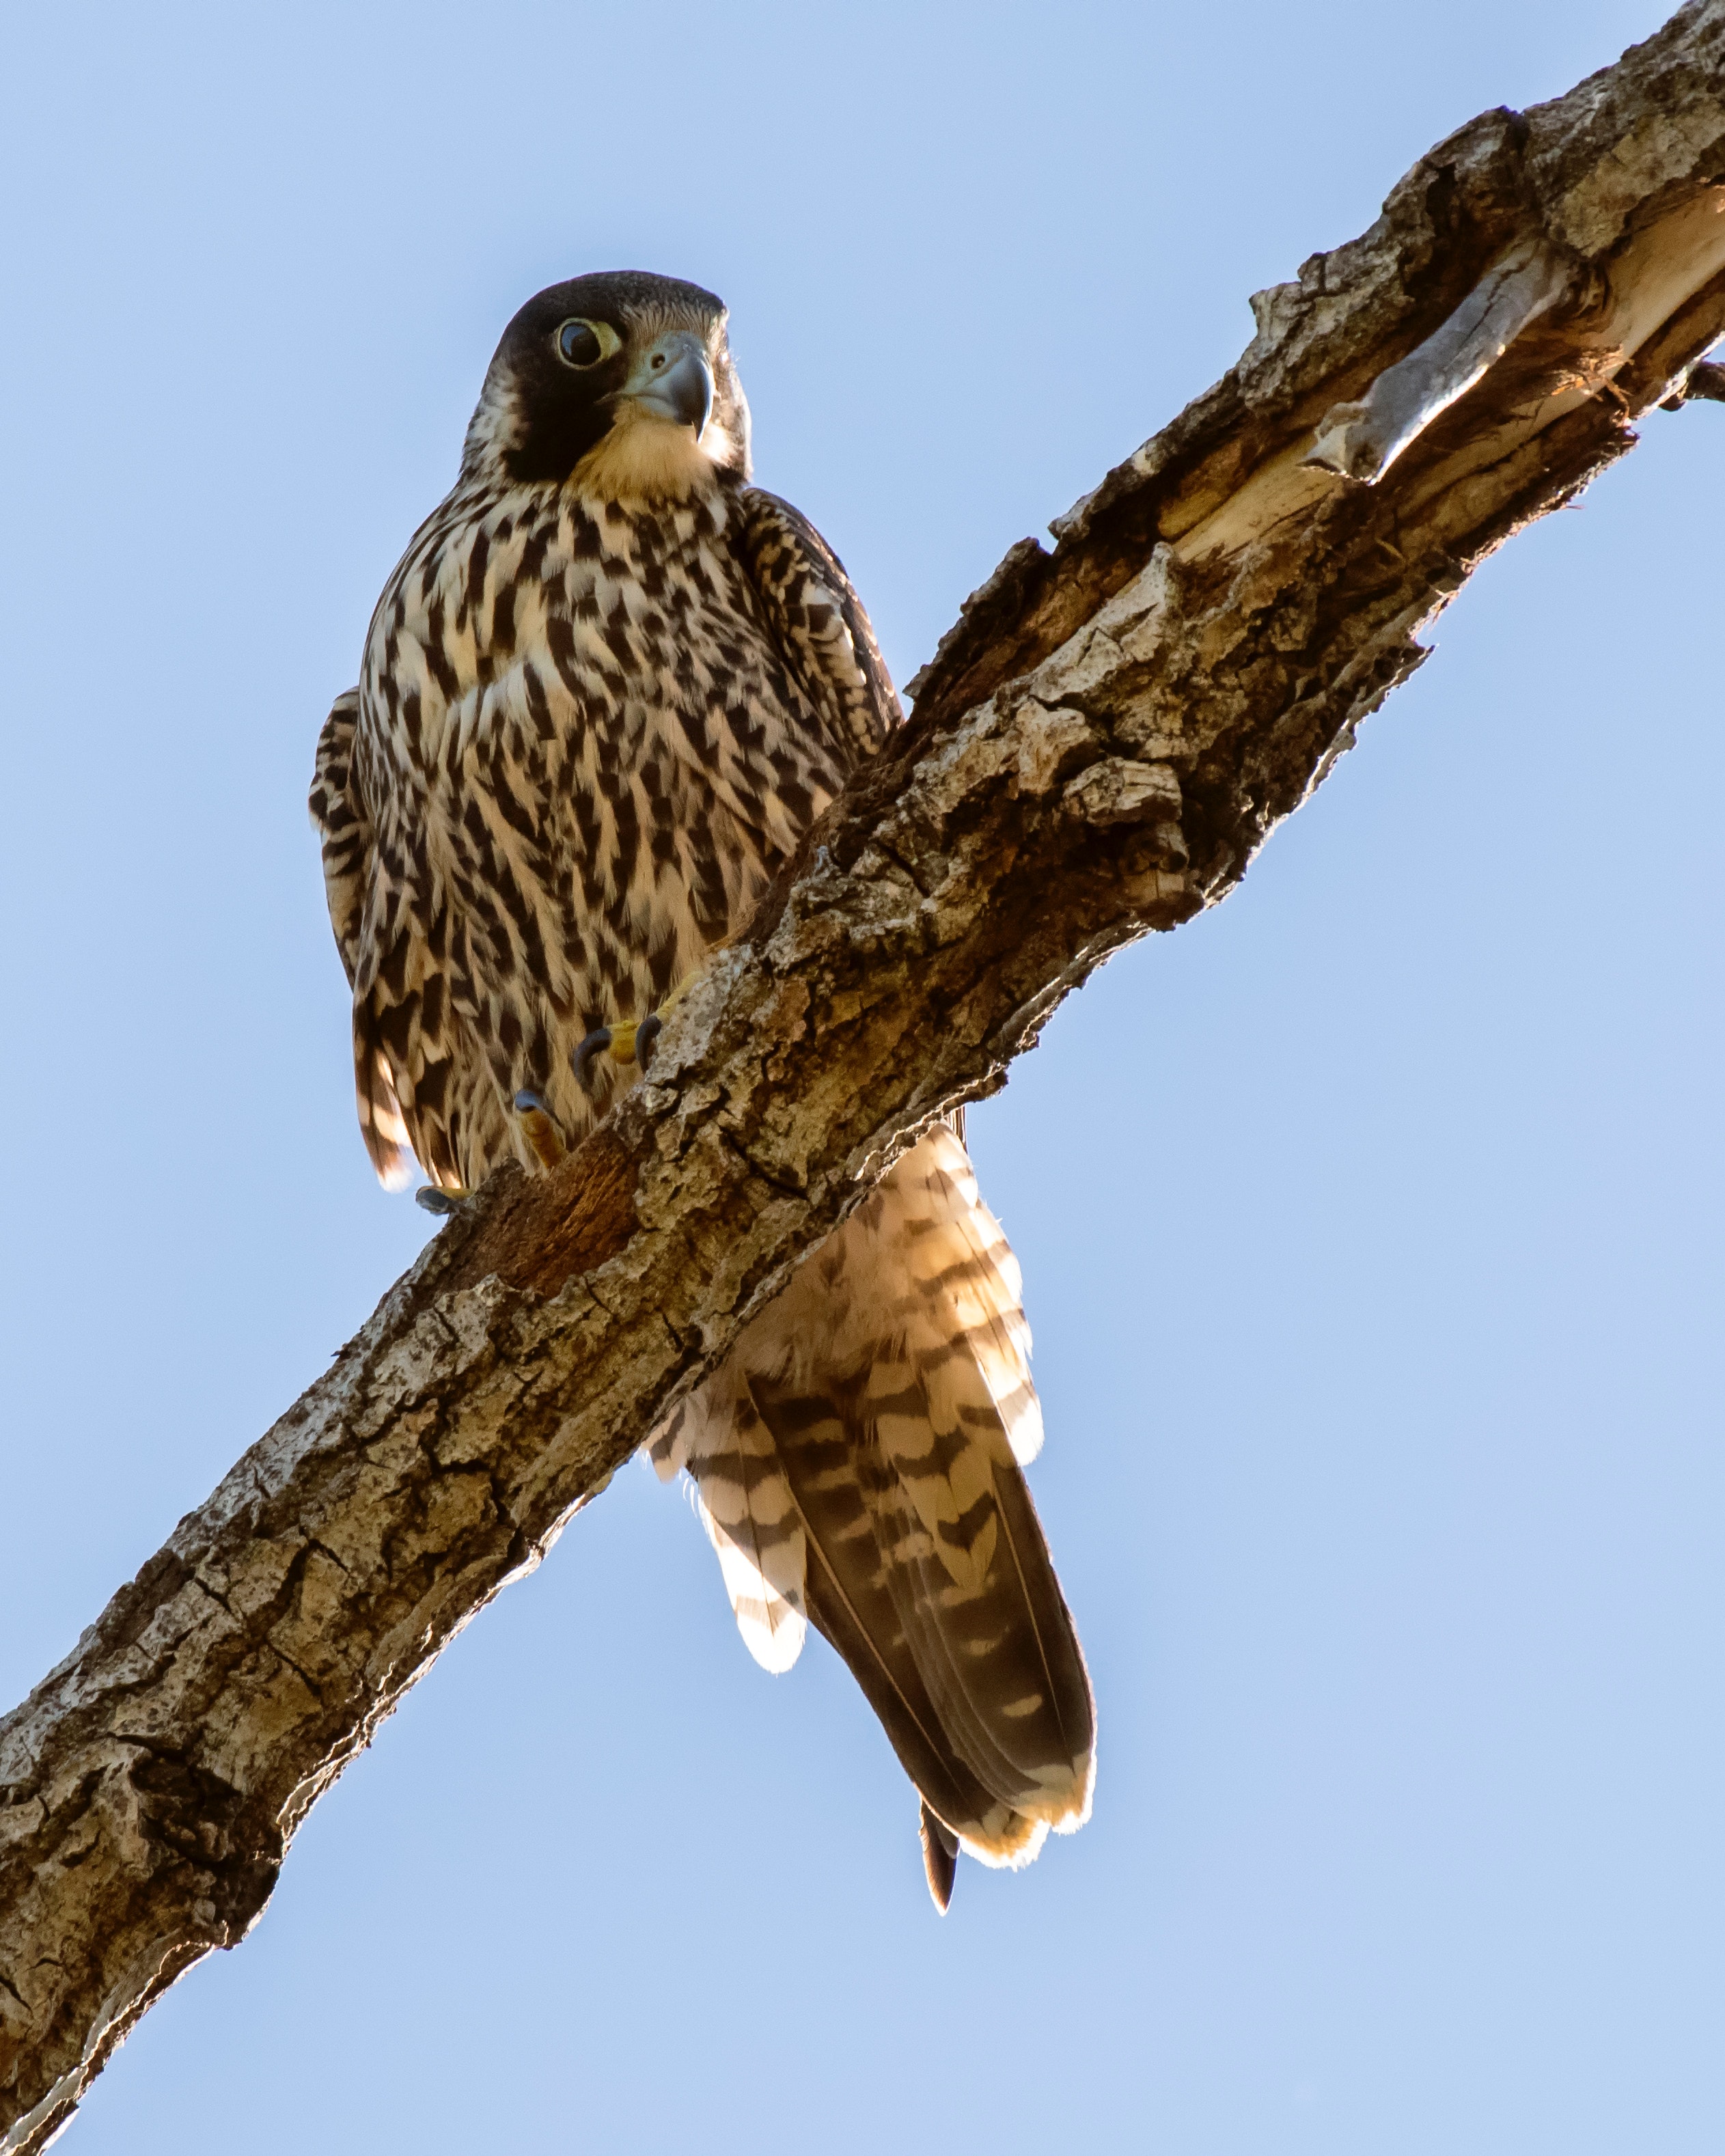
672	380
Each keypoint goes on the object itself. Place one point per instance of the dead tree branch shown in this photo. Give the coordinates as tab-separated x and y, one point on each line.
1099	748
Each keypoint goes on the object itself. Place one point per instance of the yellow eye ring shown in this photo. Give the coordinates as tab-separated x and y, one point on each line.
582	344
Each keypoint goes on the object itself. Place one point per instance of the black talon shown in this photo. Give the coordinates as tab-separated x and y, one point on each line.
595	1043
430	1199
526	1102
646	1033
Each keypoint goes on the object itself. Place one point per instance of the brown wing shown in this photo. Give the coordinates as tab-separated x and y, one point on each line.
414	1094
819	623
343	828
343	823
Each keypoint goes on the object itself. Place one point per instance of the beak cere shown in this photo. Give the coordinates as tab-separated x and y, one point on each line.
673	381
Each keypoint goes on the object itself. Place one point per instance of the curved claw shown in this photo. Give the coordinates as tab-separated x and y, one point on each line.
646	1033
597	1043
430	1199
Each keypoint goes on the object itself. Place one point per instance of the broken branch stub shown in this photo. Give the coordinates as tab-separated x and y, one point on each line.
1099	748
1361	440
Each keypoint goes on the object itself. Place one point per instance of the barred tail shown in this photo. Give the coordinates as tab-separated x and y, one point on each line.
858	1461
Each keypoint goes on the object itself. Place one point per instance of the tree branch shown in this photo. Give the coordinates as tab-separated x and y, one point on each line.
1099	745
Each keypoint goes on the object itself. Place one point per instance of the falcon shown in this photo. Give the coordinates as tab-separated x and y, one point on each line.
606	690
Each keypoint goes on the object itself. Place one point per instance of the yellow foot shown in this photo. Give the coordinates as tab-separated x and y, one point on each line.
540	1129
627	1040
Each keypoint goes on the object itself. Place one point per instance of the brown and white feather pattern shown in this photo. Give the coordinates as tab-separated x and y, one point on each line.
593	717
858	1463
580	754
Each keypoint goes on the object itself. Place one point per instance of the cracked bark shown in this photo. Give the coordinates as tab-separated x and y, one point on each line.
1099	748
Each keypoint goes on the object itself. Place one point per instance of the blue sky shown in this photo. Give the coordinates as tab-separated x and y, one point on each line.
1370	1224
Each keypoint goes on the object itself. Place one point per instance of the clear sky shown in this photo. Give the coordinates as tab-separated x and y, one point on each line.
1371	1225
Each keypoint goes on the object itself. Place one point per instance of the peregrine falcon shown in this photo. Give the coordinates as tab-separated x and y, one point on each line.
606	690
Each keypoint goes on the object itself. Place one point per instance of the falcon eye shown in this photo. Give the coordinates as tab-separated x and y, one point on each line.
582	344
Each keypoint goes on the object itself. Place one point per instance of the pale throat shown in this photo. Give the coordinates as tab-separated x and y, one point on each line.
645	458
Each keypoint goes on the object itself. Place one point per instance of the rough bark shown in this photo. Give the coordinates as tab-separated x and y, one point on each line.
1099	748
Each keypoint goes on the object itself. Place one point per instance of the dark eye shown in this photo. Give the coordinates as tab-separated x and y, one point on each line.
581	343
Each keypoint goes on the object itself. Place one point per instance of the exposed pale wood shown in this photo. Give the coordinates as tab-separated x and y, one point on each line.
1099	748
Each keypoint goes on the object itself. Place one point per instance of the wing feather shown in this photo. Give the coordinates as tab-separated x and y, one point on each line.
820	624
420	1089
345	830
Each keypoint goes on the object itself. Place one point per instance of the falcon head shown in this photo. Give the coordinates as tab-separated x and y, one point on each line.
620	380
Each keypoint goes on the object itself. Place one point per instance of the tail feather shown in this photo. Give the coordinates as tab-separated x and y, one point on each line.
988	1629
855	1597
750	1517
940	1857
858	1462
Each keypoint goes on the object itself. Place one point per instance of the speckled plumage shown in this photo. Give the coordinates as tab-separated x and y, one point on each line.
606	689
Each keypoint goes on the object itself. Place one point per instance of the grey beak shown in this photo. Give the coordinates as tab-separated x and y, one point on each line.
672	380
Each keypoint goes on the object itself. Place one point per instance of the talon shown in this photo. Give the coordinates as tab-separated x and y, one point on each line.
430	1199
541	1127
625	1041
596	1044
648	1031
